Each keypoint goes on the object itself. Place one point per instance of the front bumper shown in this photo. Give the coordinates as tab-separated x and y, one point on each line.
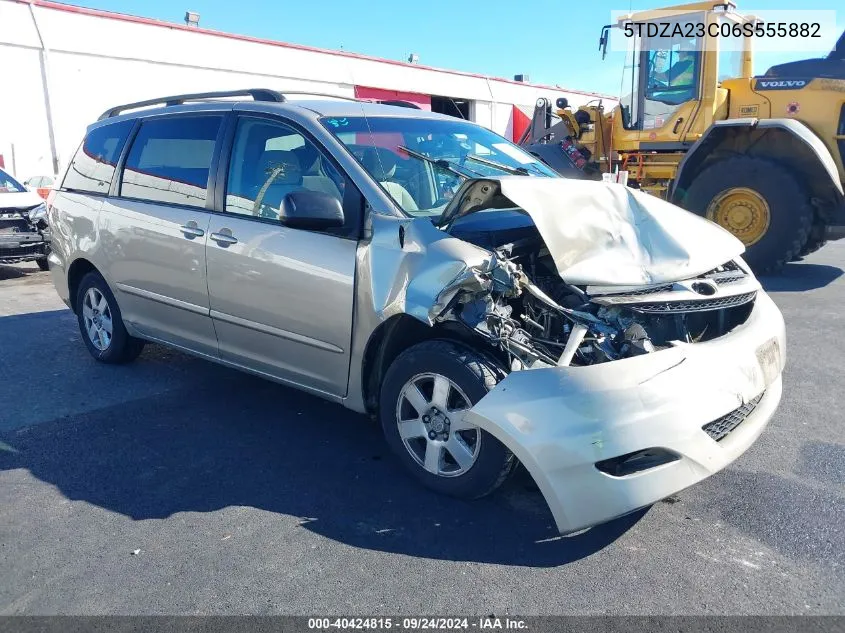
560	421
22	247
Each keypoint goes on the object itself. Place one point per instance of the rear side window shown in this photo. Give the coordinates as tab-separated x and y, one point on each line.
170	160
92	168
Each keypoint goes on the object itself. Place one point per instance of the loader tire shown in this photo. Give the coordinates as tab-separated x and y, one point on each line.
816	239
758	201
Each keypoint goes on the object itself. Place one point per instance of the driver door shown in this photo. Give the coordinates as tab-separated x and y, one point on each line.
281	299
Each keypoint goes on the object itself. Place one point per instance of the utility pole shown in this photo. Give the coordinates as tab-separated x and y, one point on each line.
43	56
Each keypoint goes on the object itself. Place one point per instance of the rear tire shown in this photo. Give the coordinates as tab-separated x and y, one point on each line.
43	264
101	323
790	214
464	461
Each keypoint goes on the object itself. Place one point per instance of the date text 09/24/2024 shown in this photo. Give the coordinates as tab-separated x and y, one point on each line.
417	623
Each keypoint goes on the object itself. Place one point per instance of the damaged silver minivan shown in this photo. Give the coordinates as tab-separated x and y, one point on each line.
424	270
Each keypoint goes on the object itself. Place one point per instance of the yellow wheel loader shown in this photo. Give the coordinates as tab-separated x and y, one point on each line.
761	156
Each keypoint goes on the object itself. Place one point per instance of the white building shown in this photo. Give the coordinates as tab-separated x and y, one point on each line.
64	65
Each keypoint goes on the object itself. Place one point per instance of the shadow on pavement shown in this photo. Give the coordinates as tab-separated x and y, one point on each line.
17	271
234	440
800	276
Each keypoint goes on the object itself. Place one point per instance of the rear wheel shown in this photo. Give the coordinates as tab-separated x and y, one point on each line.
425	394
101	324
758	201
43	264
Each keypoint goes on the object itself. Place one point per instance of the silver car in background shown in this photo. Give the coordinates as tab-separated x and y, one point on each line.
428	272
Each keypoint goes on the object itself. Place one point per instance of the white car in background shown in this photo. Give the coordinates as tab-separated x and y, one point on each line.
24	234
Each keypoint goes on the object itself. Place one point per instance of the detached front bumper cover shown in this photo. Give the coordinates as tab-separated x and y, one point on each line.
560	422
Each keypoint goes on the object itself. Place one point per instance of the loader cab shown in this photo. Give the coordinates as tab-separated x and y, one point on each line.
674	61
661	76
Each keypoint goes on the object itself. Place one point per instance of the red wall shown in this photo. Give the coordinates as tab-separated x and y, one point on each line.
521	121
365	92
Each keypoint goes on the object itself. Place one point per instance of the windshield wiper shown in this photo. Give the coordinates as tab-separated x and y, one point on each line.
517	171
438	162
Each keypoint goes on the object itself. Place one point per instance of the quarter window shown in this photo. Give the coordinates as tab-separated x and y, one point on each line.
92	168
170	160
271	160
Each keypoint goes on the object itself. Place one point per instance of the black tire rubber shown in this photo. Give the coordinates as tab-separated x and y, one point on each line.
475	375
816	239
123	348
791	214
43	264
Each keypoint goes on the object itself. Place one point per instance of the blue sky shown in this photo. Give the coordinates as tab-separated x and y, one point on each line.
492	37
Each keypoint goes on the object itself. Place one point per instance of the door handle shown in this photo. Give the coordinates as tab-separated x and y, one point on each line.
677	123
224	239
191	230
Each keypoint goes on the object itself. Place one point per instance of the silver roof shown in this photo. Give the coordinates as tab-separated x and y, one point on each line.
347	108
304	107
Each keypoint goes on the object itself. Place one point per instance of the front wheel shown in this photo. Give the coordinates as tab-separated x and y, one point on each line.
426	392
43	264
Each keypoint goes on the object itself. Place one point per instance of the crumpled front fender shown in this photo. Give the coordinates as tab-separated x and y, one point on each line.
415	268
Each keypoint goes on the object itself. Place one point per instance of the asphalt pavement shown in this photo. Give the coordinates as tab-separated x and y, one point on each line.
175	486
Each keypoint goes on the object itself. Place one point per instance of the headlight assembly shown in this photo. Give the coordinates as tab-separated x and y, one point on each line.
38	213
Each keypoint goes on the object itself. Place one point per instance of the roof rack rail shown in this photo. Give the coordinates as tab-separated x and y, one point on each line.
257	94
308	93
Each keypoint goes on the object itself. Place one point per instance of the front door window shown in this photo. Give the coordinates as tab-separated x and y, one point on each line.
672	71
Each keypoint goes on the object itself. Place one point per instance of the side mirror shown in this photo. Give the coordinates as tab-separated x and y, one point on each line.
311	210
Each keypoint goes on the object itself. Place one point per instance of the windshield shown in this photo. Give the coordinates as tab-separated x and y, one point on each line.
422	162
9	184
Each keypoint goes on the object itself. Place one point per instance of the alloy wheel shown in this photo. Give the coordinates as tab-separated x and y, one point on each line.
98	319
430	415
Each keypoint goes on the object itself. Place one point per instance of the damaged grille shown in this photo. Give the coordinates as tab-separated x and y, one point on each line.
643	291
17	225
727	273
698	305
720	428
729	279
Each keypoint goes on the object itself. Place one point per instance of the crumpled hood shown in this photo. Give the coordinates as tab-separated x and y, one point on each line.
607	234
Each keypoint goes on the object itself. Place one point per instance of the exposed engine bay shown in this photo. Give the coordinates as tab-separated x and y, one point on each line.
521	304
527	311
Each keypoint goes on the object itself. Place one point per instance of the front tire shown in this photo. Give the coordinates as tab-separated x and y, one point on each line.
760	202
43	264
425	392
101	324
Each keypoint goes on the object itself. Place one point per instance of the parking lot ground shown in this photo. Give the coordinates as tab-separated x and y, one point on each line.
174	486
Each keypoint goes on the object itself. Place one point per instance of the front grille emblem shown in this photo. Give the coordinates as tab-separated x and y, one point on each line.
704	288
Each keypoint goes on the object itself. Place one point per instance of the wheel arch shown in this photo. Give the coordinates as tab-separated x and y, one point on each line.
397	334
789	142
75	272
